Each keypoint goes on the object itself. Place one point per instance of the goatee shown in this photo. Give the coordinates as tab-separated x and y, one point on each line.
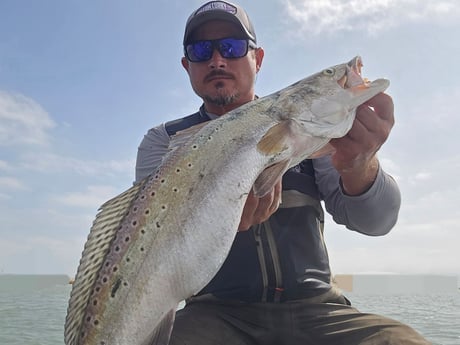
221	100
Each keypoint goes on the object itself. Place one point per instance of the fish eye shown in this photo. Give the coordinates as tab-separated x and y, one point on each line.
329	72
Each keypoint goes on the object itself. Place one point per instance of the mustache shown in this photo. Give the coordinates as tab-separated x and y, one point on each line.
218	73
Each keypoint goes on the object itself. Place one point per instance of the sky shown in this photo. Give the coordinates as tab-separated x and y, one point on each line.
82	81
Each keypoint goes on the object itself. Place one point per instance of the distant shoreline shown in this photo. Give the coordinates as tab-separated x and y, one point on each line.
21	282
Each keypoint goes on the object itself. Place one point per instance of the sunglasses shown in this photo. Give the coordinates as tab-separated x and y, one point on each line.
229	48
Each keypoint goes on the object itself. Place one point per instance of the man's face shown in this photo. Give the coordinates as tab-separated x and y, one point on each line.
223	84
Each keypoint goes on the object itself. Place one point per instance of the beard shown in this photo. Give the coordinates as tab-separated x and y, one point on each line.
221	97
221	100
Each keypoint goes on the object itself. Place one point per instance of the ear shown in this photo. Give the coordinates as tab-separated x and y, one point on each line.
185	63
260	53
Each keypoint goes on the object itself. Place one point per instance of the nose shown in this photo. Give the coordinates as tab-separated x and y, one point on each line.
217	61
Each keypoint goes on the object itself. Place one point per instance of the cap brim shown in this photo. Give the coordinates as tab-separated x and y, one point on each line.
204	17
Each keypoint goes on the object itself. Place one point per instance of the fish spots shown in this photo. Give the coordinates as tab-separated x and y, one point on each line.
209	138
115	287
189	165
143	231
195	147
158	225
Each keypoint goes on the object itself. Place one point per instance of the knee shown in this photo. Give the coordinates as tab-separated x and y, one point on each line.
397	335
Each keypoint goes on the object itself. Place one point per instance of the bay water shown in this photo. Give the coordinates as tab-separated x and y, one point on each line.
32	311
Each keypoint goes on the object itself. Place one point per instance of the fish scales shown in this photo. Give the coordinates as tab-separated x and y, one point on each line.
170	191
164	239
137	220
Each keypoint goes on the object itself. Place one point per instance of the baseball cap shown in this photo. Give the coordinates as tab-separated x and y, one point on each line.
220	10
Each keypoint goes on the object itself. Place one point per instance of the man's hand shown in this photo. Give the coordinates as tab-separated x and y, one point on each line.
355	156
258	210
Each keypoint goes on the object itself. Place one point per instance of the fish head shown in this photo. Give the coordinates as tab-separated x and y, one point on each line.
325	103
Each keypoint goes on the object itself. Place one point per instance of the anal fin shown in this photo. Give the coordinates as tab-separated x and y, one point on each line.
268	178
162	332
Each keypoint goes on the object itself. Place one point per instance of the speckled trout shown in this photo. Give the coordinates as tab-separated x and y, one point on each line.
165	238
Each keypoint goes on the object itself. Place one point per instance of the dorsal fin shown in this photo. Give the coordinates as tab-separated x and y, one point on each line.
183	136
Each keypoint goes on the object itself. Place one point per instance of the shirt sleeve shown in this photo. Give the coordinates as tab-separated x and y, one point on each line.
374	212
153	147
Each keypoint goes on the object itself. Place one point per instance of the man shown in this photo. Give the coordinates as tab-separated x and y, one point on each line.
275	286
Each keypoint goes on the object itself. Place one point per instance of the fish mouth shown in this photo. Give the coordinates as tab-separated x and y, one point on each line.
352	77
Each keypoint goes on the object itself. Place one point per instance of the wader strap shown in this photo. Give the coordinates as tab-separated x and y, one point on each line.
293	198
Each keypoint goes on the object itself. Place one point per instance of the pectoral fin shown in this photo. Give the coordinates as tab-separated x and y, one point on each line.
277	139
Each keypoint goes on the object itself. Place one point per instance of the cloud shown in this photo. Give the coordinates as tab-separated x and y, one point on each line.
11	183
22	121
369	16
4	196
50	162
411	248
5	166
40	255
93	197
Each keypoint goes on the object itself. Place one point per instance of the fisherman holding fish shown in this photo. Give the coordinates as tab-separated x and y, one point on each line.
275	285
226	210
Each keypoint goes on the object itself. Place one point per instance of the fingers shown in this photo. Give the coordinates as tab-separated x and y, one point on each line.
268	204
248	211
257	210
371	128
383	106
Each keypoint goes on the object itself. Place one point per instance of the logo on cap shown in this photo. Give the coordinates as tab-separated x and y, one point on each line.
217	5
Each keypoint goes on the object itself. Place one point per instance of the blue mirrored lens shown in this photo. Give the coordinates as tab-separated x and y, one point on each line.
229	48
199	51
